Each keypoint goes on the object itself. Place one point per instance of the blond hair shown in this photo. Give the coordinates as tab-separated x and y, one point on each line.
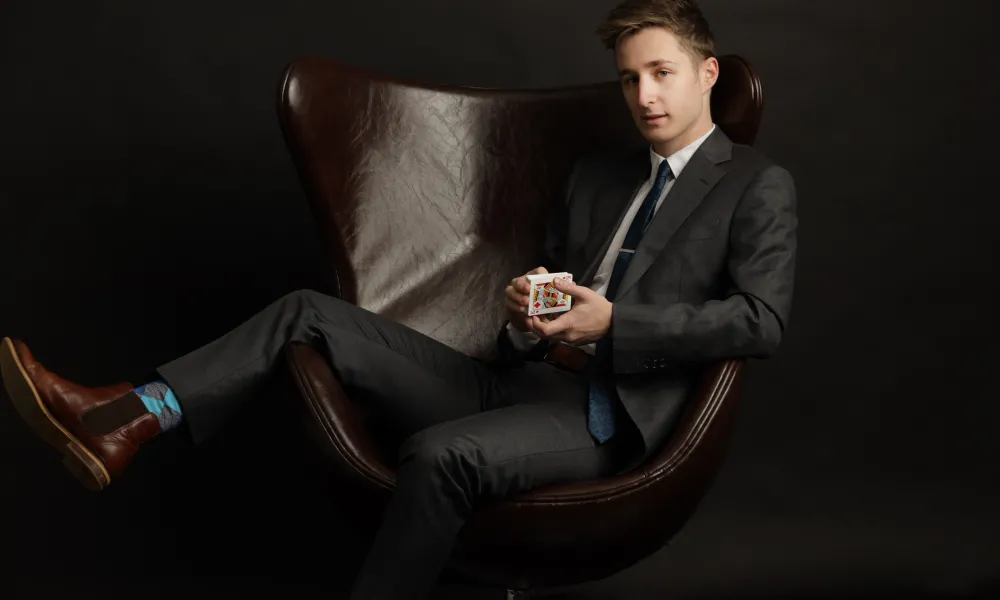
683	18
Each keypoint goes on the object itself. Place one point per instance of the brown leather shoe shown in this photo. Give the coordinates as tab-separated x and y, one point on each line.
98	430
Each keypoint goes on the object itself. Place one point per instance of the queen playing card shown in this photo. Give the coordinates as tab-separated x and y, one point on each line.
544	298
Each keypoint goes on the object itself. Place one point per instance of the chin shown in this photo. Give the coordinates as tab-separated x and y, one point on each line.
664	135
659	136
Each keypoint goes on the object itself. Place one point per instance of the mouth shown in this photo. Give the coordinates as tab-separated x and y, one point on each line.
654	119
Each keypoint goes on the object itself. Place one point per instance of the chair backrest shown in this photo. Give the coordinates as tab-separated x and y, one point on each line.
430	198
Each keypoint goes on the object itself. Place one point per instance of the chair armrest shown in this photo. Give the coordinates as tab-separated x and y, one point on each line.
334	420
694	450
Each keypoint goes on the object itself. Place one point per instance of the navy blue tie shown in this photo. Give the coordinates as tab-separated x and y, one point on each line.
602	395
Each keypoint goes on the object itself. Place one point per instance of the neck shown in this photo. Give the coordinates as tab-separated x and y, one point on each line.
698	129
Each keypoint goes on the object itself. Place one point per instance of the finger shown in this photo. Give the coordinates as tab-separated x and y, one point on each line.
541	318
515	297
519	290
568	287
537	326
550	328
513	306
549	332
522	282
518	284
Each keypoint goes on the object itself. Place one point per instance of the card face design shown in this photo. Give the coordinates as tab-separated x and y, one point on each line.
544	297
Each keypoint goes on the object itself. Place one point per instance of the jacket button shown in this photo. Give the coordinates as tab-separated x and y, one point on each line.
645	363
661	363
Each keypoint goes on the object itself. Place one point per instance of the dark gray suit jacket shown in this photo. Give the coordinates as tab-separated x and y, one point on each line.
711	279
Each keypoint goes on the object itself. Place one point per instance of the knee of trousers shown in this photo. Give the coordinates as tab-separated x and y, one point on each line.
448	463
301	299
303	305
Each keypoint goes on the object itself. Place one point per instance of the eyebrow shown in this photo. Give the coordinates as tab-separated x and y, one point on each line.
650	65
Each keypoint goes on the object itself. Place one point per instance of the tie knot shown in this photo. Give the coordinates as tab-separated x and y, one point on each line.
663	172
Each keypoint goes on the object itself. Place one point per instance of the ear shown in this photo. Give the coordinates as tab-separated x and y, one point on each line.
709	73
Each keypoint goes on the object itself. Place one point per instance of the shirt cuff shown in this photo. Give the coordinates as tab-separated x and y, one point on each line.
522	341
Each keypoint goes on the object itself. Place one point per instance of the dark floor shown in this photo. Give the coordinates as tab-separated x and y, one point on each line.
234	537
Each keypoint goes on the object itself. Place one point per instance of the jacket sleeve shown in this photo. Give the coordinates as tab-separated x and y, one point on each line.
751	317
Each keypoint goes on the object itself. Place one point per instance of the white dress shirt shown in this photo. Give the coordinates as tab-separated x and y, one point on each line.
523	341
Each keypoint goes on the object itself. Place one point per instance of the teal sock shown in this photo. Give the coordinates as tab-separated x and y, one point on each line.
160	400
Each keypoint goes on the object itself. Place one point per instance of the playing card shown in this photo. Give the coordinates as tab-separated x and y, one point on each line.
544	298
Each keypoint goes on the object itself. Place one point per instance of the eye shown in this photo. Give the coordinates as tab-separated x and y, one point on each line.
663	72
628	80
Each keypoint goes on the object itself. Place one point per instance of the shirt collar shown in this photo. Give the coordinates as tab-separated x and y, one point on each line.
678	160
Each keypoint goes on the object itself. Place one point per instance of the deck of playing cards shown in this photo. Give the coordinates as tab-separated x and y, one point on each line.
544	298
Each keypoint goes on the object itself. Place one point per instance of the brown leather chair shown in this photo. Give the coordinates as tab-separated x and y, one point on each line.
428	200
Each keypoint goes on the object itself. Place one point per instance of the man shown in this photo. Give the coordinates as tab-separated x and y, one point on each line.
687	255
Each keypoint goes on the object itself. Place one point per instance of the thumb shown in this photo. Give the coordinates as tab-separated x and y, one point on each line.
567	286
538	271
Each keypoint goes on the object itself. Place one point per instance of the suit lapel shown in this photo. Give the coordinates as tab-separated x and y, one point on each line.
610	207
695	182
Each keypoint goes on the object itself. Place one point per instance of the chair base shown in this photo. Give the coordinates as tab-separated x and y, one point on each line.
519	594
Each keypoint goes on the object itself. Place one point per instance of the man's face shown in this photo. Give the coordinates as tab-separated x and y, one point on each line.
666	90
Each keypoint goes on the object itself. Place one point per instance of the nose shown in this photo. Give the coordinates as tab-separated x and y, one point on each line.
646	92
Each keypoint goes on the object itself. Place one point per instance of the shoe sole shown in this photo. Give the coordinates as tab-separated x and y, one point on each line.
80	461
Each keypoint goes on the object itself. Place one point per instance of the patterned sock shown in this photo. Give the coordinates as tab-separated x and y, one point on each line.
160	400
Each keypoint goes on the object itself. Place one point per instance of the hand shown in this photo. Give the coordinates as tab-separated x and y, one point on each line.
588	321
516	300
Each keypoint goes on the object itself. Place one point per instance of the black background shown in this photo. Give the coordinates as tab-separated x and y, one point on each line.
147	204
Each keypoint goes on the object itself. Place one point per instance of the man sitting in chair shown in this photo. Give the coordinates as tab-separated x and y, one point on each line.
694	244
